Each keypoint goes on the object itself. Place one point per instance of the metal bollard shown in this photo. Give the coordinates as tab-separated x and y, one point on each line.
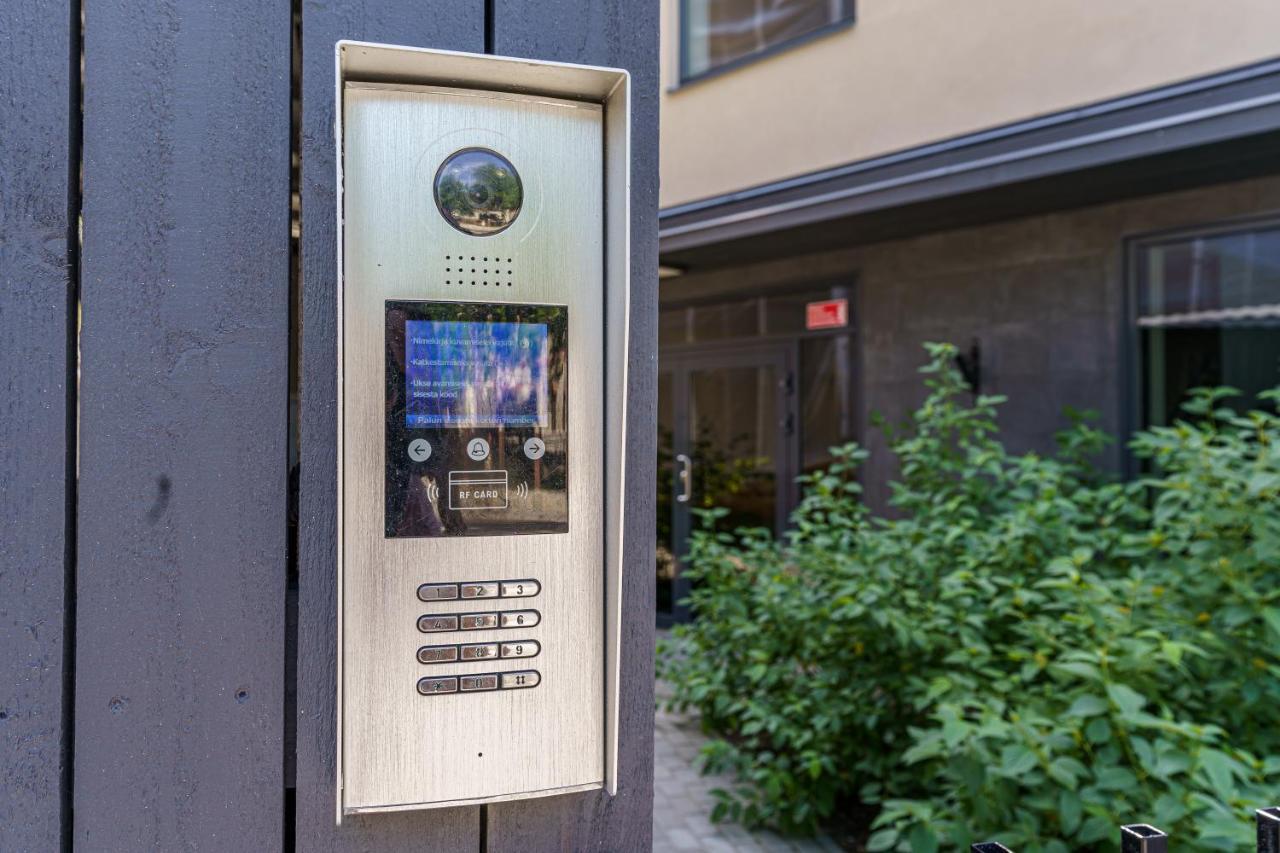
1143	838
1268	829
989	847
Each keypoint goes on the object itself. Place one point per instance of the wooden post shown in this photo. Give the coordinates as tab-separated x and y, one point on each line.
623	34
37	369
180	594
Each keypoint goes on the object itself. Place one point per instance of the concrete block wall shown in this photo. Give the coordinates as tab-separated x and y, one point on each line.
1044	296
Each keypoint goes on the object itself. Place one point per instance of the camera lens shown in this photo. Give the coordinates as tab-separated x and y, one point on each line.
478	191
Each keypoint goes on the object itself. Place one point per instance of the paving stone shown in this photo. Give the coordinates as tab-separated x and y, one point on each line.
683	801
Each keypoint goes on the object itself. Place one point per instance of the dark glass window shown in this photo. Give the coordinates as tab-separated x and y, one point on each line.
826	398
716	33
1208	313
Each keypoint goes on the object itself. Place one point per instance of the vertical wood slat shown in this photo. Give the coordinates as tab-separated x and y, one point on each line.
35	300
182	495
447	24
624	34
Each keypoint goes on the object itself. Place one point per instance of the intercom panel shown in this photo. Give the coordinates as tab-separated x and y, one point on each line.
480	375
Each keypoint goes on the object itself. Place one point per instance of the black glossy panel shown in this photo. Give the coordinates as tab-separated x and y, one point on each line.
476	419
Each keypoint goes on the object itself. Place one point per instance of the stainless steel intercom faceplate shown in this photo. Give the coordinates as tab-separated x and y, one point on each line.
482	307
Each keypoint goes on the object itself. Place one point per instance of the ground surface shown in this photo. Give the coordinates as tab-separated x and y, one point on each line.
682	799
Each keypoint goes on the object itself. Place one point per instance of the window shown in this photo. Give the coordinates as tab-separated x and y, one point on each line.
1207	308
721	33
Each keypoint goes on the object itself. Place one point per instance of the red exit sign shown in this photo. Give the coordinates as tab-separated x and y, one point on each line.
827	314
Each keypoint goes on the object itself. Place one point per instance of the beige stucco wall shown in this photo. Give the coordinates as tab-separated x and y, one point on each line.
914	71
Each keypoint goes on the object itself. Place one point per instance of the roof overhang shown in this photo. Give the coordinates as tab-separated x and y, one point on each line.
1212	129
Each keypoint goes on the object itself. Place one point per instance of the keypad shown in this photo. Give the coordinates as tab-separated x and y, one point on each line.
452	653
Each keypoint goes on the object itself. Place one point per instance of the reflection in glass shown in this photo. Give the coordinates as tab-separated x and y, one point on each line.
733	424
1209	314
717	32
826	399
478	191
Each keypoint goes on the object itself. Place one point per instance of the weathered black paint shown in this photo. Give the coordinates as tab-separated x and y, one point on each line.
179	496
182	491
35	293
451	24
622	34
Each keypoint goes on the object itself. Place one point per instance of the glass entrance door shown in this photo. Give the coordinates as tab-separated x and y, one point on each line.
726	438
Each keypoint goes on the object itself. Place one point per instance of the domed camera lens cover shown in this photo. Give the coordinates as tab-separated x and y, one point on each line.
478	191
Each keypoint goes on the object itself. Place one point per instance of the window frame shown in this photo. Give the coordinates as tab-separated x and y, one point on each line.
1132	385
683	78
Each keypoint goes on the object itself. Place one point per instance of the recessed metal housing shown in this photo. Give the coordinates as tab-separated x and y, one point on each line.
380	258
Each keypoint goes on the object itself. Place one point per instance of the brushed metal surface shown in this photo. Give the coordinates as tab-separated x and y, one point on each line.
400	749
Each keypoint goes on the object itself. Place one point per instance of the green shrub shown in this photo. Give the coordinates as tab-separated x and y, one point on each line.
1022	649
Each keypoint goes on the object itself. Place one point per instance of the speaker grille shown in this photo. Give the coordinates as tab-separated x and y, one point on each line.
478	271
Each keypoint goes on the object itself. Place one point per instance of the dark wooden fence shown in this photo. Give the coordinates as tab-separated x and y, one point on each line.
167	360
1145	838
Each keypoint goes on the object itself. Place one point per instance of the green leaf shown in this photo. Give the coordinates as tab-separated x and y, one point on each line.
1098	731
1069	811
882	840
1016	760
922	840
1088	706
1128	700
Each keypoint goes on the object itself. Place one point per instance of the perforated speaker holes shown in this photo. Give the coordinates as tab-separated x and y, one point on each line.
478	270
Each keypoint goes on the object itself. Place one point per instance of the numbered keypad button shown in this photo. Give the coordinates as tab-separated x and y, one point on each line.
437	654
520	649
520	589
479	651
520	679
437	592
519	618
472	683
434	624
479	621
479	590
433	686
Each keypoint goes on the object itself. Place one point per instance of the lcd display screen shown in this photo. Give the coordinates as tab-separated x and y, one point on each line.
465	374
477	418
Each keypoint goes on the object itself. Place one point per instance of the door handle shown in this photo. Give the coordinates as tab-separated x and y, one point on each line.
686	482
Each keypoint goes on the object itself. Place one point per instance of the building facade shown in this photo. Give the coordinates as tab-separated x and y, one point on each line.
1085	202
